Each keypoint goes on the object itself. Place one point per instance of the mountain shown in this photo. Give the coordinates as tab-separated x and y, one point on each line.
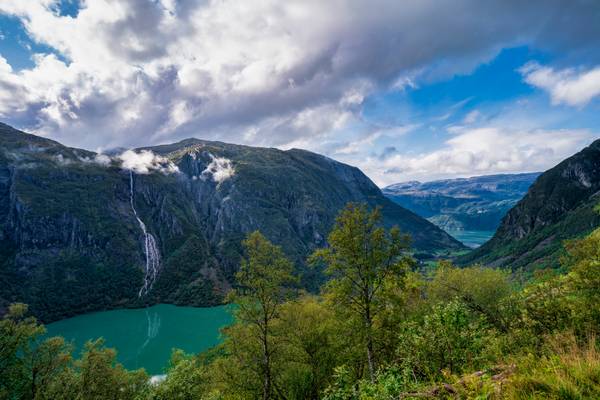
81	231
475	204
558	206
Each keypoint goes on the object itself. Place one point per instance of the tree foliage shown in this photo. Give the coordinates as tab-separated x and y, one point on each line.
364	261
264	280
380	329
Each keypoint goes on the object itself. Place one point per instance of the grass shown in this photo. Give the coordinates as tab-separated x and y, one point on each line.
570	370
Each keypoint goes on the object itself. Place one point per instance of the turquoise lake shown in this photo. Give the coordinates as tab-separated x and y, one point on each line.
144	338
472	238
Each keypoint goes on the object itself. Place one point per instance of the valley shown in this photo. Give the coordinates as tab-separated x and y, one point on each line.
471	239
153	232
299	200
470	209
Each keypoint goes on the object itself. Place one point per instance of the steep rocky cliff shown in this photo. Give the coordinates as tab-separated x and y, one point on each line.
558	206
70	241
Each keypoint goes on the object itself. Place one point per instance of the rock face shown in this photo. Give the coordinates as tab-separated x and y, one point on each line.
478	203
558	206
70	241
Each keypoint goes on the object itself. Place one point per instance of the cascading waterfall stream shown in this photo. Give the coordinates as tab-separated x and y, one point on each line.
150	248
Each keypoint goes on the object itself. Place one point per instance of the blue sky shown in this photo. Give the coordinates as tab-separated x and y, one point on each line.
404	90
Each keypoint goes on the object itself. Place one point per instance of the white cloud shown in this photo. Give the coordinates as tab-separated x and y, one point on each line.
139	72
145	161
270	73
366	143
568	86
100	159
472	117
219	169
481	151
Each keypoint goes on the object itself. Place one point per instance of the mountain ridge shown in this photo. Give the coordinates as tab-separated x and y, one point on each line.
70	241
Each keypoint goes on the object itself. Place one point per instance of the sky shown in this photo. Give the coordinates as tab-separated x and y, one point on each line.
404	90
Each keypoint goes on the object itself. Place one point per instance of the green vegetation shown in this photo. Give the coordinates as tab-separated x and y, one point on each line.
380	329
70	244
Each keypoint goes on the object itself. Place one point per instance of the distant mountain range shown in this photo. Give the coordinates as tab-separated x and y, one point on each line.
560	205
81	231
474	204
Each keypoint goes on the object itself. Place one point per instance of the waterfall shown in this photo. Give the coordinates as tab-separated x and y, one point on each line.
150	248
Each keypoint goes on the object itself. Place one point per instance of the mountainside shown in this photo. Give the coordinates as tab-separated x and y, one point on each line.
476	203
558	206
75	226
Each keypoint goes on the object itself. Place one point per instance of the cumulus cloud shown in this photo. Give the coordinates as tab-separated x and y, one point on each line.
219	169
480	151
135	72
569	86
102	159
146	161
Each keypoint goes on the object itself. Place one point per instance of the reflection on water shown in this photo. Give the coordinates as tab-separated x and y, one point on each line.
153	327
144	338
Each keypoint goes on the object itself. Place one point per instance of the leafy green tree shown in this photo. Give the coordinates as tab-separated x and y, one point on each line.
546	307
100	377
583	263
45	363
187	379
28	363
16	333
451	337
265	279
313	347
364	261
569	301
485	291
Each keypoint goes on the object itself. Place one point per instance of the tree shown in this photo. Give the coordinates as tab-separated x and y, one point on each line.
583	262
264	281
28	364
45	363
485	291
16	332
364	261
313	346
451	337
186	379
100	377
